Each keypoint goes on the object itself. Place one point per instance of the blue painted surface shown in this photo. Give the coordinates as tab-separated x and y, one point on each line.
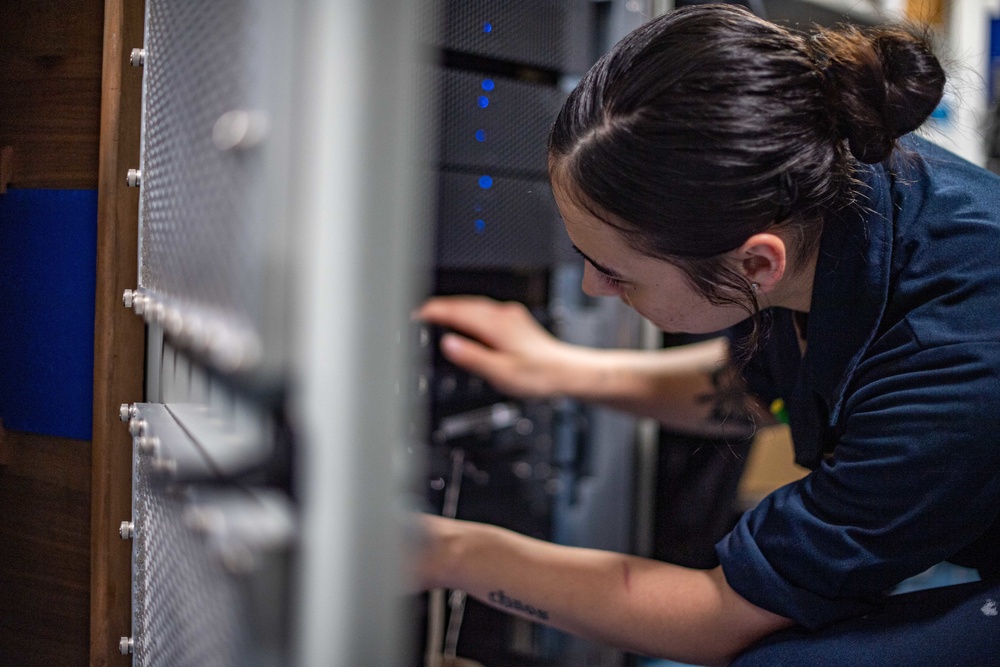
48	249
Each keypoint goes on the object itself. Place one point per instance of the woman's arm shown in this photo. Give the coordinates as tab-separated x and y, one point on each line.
691	388
645	606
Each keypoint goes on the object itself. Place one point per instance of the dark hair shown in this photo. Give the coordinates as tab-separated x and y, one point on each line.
708	125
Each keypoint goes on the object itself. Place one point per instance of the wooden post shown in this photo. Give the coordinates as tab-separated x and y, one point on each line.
6	167
119	347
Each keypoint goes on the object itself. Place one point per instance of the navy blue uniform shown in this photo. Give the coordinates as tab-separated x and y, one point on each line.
895	406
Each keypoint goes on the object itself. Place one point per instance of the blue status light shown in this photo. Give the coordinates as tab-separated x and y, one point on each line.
485	182
487	27
483	101
480	135
488	84
480	225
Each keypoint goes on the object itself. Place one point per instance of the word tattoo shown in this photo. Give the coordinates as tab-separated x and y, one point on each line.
502	600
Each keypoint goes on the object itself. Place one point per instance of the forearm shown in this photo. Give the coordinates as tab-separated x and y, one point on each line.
645	606
690	388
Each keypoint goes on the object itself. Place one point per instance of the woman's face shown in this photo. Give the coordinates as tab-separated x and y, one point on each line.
655	288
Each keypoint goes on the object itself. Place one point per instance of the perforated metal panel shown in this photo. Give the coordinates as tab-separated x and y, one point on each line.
187	611
212	266
210	241
279	243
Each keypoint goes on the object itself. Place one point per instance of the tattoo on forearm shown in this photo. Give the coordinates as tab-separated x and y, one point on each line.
500	599
729	401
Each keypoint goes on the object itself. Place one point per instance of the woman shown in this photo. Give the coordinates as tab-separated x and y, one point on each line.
715	169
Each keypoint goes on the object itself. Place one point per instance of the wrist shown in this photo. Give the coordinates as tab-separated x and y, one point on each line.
582	373
446	541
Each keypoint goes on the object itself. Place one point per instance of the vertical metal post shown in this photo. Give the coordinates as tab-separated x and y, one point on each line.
359	216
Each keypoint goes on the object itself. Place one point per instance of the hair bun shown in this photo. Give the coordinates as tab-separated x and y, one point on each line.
882	85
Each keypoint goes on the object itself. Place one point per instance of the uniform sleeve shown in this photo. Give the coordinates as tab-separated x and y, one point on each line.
914	478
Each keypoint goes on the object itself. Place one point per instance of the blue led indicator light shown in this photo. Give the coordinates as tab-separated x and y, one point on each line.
480	135
480	226
483	101
487	27
488	84
485	182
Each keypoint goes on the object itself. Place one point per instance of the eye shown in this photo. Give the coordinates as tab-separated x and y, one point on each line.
608	281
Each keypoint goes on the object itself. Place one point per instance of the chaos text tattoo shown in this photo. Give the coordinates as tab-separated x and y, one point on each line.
499	598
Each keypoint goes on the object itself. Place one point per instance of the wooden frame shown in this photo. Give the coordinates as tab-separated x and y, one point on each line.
119	346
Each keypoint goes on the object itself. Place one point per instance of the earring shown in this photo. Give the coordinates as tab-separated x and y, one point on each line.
754	287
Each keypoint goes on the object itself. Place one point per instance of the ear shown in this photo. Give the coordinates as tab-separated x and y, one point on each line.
762	259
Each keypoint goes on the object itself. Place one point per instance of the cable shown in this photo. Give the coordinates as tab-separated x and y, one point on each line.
435	624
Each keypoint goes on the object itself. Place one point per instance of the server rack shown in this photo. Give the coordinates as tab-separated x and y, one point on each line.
555	470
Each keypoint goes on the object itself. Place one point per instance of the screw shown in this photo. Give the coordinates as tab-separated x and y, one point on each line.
138	304
164	466
239	129
133	178
127	298
155	312
126	530
125	645
138	57
137	427
173	321
126	412
147	444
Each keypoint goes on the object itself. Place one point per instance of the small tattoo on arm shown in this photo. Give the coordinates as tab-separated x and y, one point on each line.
500	599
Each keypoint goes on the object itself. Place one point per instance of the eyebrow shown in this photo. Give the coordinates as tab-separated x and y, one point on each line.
603	269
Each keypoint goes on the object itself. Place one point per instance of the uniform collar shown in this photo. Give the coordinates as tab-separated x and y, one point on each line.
850	288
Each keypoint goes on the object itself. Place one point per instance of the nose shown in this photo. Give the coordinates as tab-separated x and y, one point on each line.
594	285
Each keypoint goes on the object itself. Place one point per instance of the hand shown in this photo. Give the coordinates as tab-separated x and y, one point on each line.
501	342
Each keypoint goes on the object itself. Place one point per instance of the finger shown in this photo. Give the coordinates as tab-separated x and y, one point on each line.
474	357
473	316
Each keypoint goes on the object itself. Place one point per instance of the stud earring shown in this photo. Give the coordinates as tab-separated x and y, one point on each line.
754	287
